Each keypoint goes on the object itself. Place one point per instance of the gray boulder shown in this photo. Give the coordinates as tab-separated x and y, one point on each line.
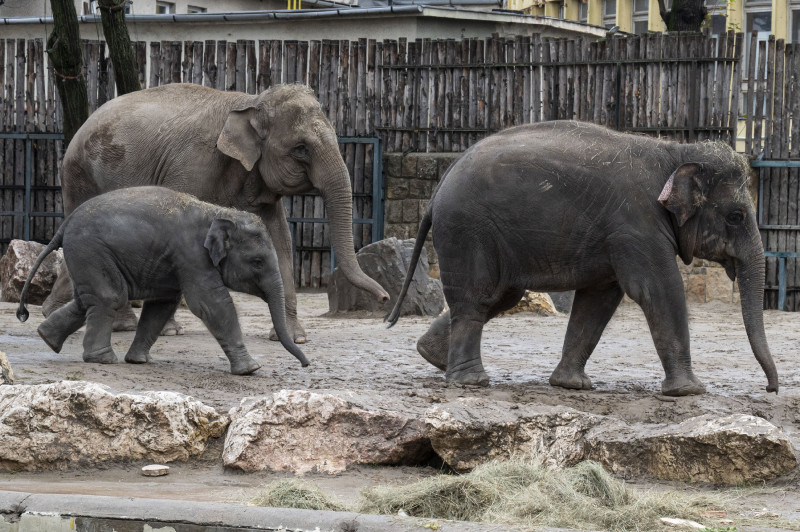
17	263
386	261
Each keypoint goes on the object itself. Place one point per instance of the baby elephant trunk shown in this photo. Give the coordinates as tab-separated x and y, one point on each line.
273	295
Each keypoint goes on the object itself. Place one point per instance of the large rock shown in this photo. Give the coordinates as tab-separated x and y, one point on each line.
80	424
465	437
302	431
386	261
537	302
15	266
729	450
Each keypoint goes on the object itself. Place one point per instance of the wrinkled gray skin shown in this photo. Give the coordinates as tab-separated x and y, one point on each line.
228	148
155	244
567	205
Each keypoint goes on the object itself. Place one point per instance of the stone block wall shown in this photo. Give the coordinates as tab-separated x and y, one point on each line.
411	179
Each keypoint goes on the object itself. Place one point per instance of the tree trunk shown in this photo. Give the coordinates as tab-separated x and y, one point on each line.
685	15
126	73
64	49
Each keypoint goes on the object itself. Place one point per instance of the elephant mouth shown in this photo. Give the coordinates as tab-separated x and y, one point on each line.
730	268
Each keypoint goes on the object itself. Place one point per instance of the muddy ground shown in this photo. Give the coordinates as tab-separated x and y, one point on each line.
519	352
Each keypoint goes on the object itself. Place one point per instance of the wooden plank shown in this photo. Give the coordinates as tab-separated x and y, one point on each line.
197	63
239	50
324	76
222	47
301	72
447	115
733	107
751	92
371	86
343	101
361	89
210	64
187	66
410	89
231	72
761	80
263	79
252	68
155	64
276	62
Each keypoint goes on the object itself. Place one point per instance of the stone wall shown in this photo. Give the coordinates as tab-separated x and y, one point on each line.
411	179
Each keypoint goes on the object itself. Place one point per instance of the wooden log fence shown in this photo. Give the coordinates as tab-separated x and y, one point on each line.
430	96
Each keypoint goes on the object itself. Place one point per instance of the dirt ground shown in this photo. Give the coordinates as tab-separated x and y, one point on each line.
519	353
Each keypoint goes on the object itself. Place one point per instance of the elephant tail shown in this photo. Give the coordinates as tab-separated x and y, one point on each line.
22	312
424	227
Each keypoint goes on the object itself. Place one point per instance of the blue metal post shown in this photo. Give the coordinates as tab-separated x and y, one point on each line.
781	283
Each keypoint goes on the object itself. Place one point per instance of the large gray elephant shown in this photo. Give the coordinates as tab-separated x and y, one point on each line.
567	205
228	148
155	244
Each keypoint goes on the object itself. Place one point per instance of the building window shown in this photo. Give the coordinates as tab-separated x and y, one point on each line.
164	8
195	9
609	13
794	36
583	12
639	18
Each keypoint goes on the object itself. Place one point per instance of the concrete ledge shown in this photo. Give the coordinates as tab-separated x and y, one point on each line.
25	512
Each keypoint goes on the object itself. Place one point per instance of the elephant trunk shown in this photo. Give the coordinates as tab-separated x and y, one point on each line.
338	197
750	274
273	295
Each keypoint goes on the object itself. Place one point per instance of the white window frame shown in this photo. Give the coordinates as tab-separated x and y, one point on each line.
169	6
639	16
794	15
583	11
609	20
196	9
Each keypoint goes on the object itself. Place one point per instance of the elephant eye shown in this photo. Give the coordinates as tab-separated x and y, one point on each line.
300	151
735	217
257	264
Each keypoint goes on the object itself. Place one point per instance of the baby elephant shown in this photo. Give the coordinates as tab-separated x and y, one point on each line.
156	244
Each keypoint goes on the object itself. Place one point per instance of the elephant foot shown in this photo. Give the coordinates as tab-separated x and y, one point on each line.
125	320
572	380
296	331
53	340
172	328
244	365
680	386
137	357
428	349
472	375
101	356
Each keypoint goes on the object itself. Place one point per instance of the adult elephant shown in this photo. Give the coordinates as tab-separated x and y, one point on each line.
572	206
229	148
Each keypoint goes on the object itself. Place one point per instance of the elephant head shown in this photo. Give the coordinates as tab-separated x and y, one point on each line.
284	134
243	253
713	211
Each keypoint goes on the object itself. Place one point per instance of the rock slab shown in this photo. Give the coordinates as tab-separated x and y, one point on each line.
386	261
503	430
720	450
302	431
15	266
76	424
537	302
729	450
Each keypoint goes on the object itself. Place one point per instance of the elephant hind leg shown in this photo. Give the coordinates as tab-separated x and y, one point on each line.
591	311
435	343
155	314
61	324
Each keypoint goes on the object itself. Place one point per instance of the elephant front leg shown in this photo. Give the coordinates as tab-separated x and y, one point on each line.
275	220
155	314
658	289
592	309
215	308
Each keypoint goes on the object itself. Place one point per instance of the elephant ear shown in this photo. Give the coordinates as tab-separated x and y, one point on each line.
218	239
683	192
239	139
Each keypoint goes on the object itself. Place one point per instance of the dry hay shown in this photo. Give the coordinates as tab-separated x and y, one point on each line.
293	493
527	494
